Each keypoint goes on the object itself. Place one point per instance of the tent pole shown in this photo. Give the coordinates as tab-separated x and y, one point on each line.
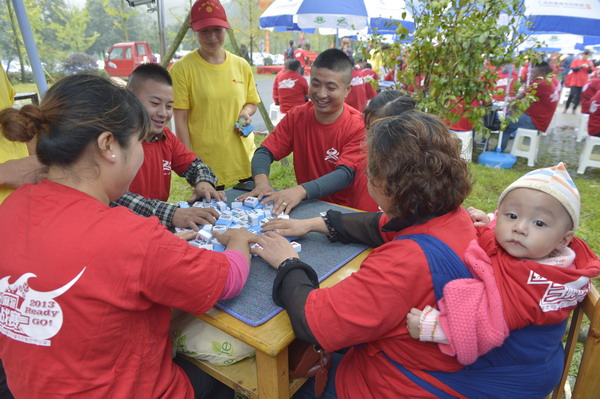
34	58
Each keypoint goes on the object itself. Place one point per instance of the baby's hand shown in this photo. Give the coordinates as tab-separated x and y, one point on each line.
412	322
478	217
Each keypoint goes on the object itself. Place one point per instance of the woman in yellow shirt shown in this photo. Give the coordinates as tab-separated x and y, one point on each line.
214	89
16	165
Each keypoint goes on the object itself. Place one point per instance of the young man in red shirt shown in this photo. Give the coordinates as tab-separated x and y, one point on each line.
289	87
163	152
539	114
325	136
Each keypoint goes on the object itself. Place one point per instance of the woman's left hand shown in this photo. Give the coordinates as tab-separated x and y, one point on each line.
274	248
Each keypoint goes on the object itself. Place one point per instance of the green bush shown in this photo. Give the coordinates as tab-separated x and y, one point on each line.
267	61
79	62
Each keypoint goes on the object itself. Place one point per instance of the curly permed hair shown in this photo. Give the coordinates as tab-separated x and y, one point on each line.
415	160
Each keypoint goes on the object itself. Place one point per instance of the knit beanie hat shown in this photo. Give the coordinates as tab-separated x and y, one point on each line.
554	181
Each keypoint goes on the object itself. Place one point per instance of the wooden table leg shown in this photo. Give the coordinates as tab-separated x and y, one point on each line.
273	375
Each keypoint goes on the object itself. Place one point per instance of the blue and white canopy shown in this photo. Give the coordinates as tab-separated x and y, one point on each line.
335	14
579	17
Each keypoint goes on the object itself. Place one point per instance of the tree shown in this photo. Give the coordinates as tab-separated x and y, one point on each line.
245	22
455	49
119	16
69	26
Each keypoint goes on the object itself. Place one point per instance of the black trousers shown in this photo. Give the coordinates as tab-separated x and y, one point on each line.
4	391
574	96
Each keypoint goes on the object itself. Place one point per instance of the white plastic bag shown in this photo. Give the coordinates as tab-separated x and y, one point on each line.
195	338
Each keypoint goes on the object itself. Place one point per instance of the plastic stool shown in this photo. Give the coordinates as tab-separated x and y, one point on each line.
466	138
582	132
588	158
274	113
552	124
526	150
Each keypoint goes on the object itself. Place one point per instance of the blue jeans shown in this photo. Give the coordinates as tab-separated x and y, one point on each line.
307	391
524	121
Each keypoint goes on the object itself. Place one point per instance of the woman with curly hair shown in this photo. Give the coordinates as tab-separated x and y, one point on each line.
419	180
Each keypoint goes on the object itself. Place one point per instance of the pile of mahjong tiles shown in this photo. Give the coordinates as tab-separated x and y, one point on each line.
250	214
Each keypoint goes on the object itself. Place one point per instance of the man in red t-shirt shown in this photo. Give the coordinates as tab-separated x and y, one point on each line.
325	136
289	87
577	78
539	114
361	92
163	152
594	122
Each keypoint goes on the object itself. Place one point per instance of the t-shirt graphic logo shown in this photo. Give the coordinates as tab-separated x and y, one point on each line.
558	296
332	155
166	167
356	81
287	83
28	315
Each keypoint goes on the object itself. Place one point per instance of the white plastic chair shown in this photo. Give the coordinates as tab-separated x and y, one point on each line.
582	132
588	158
526	145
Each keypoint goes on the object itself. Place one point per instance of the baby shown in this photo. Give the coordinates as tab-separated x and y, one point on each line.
528	269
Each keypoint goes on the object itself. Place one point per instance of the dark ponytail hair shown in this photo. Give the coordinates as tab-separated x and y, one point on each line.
74	112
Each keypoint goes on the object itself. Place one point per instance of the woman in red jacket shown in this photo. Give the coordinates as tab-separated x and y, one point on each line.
419	180
577	78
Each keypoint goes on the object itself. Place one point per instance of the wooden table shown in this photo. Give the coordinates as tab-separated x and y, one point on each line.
267	375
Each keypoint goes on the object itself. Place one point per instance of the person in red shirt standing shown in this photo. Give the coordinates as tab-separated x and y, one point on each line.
577	78
164	153
301	54
539	114
89	289
594	121
289	87
325	135
588	92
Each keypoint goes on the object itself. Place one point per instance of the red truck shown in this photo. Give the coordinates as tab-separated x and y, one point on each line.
122	58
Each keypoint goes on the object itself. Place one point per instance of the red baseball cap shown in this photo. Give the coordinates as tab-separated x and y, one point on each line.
207	13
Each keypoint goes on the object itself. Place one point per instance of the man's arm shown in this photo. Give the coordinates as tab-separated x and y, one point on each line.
16	172
180	116
199	171
337	180
261	167
276	91
147	207
169	214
